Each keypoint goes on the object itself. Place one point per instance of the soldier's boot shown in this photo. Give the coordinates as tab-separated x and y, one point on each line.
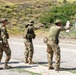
6	66
26	60
50	67
57	68
30	61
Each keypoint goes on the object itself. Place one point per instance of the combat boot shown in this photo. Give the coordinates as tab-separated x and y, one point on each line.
26	60
6	66
30	61
57	69
50	67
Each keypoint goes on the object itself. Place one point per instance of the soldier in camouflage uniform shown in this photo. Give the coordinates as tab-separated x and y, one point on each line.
29	34
4	46
52	44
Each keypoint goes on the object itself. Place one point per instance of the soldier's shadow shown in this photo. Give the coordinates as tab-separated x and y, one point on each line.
26	66
12	62
42	63
68	69
62	69
47	62
15	62
23	65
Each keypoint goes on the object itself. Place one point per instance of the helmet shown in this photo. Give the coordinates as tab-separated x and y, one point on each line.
3	20
57	21
31	22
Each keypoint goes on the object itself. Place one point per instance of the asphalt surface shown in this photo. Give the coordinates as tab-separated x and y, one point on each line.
68	51
68	55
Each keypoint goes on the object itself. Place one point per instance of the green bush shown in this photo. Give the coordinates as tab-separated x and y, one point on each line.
63	12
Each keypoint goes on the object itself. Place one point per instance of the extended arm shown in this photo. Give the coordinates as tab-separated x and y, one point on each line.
38	27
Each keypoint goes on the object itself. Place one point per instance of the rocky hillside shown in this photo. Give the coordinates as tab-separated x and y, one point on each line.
19	12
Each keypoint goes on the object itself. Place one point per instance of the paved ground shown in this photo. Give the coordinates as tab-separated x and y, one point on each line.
68	55
20	68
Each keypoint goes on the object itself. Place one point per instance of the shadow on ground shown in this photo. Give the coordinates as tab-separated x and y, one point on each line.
41	62
36	65
14	62
68	69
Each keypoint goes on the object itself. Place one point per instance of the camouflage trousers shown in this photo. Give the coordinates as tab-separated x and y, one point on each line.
53	48
7	51
28	49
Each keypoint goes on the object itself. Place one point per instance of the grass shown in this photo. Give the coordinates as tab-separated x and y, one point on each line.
73	71
25	71
67	1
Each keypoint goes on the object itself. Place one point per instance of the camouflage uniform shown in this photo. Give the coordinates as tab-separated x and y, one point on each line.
29	50
4	46
53	47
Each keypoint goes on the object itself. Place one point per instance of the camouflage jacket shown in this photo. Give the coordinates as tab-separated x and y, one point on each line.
54	32
3	34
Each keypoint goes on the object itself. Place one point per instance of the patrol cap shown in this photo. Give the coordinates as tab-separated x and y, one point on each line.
57	21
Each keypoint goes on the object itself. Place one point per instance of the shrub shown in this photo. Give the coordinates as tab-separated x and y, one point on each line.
63	12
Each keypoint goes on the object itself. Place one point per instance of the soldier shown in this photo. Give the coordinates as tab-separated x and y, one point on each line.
4	46
29	34
52	44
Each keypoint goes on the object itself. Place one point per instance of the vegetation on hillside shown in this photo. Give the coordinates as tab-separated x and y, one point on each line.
63	12
19	12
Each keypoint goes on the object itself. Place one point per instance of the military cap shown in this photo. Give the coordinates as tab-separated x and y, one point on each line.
57	21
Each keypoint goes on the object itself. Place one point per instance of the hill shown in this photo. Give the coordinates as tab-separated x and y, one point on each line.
19	12
5	2
31	1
